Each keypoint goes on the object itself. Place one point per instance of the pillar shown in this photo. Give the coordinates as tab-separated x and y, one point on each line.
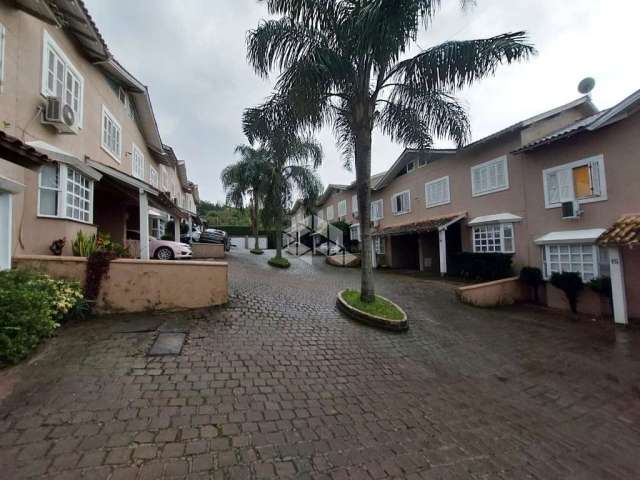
619	294
6	230
176	229
442	235
143	204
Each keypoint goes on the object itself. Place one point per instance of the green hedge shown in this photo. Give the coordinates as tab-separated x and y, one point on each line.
32	306
481	266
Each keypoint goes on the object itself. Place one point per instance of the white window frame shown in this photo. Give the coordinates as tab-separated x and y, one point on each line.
380	210
107	115
63	191
164	178
379	245
393	202
137	152
477	248
413	166
447	197
486	165
329	213
599	159
342	208
49	44
591	249
354	204
153	177
3	41
356	227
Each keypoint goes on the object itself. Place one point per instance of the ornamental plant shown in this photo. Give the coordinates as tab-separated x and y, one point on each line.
571	284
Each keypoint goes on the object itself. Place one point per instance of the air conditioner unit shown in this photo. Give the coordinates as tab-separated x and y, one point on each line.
570	210
59	115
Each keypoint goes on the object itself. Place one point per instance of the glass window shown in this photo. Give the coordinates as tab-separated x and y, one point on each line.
330	213
493	238
153	176
70	198
354	232
584	259
78	196
582	180
49	190
490	177
2	48
137	161
379	245
111	134
354	204
342	208
437	192
377	210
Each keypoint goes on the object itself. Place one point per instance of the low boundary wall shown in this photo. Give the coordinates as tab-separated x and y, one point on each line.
491	294
143	285
207	250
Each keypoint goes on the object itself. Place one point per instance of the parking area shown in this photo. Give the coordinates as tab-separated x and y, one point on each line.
278	384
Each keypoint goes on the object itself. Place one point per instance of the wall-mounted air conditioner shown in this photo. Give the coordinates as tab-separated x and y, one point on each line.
571	210
59	115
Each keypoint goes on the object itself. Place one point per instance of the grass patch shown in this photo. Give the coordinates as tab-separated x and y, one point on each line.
257	251
380	308
279	262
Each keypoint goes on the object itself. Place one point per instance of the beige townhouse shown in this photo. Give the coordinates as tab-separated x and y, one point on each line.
64	95
544	190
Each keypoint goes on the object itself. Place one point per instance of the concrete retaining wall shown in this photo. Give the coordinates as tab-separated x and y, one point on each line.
207	250
491	294
139	285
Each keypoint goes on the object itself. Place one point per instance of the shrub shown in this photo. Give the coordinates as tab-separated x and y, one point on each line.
84	245
571	284
481	266
87	245
532	277
279	262
32	306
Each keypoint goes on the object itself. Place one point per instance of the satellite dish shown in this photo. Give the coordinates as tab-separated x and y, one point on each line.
586	86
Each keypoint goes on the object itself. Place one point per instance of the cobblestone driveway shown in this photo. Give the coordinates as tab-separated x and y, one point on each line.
279	385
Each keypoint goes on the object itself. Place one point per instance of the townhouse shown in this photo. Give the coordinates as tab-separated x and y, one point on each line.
545	190
103	165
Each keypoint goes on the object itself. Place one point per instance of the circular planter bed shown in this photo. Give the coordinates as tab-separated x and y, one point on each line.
279	262
396	322
257	251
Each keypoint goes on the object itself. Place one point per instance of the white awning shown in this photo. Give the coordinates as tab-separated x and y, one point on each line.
58	155
497	218
157	213
571	236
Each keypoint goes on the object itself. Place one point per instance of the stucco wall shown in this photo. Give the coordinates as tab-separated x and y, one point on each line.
491	294
207	250
137	285
589	302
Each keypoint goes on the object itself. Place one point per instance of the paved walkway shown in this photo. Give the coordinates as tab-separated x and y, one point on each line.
279	385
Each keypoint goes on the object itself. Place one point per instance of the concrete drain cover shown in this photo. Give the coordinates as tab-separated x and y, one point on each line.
168	344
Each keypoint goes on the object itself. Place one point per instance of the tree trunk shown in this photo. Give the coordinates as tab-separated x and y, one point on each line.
254	214
278	229
363	188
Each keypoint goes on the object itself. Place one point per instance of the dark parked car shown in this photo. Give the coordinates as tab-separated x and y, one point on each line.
212	235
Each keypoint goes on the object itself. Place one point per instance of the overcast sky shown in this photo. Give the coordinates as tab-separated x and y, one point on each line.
191	55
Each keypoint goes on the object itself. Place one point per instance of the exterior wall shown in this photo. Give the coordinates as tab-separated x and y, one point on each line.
138	286
334	199
631	265
589	302
207	250
19	100
619	144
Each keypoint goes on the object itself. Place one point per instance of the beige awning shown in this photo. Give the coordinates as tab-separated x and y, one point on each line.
58	155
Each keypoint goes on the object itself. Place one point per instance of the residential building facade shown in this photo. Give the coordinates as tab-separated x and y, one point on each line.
63	94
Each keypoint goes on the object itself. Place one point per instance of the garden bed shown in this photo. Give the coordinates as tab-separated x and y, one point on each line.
383	313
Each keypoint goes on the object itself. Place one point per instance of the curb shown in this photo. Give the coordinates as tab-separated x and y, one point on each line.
372	320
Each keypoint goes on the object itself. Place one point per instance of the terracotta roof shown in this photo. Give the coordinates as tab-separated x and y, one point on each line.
430	225
624	232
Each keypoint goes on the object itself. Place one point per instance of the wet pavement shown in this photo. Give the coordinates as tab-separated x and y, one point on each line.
278	384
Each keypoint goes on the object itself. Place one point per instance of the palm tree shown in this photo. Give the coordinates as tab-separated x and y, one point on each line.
248	177
293	156
341	63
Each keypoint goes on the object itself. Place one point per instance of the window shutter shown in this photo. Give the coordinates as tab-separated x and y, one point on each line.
394	205
596	188
501	175
565	185
553	188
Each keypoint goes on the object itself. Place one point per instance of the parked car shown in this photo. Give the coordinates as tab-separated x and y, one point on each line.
163	249
194	236
329	251
213	235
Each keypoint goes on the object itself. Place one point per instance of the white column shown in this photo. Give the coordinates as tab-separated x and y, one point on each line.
442	235
190	223
6	230
144	225
619	293
176	229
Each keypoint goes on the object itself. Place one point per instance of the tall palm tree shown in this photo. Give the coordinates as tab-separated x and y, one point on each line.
248	177
341	62
293	156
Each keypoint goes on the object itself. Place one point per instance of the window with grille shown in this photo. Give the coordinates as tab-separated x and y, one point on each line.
354	232
111	134
493	238
437	192
588	260
64	192
61	79
137	162
490	177
401	203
